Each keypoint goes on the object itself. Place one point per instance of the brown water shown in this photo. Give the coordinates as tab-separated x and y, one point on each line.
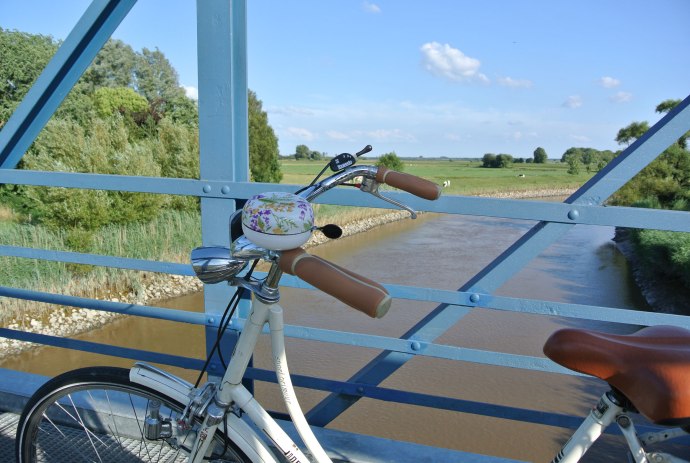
438	252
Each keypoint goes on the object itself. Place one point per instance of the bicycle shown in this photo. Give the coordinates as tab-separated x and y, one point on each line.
146	414
649	374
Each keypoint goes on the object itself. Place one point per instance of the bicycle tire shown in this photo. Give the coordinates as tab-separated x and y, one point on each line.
96	414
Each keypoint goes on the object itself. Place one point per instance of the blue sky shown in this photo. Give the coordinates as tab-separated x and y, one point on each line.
433	78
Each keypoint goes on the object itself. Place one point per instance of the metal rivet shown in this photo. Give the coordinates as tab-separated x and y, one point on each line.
474	297
225	190
415	345
360	390
211	320
573	214
207	188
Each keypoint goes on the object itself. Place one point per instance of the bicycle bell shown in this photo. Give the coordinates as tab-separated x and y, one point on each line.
277	220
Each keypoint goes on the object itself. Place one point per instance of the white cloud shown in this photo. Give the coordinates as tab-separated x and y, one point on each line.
573	101
609	82
335	135
301	133
450	63
518	135
390	135
621	97
580	138
191	92
515	83
290	111
371	7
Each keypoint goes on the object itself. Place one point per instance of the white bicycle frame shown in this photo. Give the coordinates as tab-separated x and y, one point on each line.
231	391
600	417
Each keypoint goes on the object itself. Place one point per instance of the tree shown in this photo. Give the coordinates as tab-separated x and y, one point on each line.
263	144
503	160
632	132
23	57
118	100
540	155
302	152
666	180
488	160
666	106
114	66
392	161
500	160
573	165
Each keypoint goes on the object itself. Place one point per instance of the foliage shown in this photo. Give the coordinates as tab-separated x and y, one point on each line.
667	179
540	155
122	100
573	165
263	144
666	106
22	56
127	115
662	184
392	161
303	152
105	149
666	252
632	132
497	161
593	160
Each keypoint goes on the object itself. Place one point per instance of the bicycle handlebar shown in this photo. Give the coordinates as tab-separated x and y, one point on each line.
410	183
357	291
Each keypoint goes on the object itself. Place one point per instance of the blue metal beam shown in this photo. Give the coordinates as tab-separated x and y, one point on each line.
664	133
63	71
223	129
580	213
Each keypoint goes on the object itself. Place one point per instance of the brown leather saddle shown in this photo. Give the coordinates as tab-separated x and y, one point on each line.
650	367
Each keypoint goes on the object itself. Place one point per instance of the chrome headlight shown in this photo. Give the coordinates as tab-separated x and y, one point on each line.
213	264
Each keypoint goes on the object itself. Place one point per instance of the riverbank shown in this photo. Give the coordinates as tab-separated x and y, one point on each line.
71	321
662	295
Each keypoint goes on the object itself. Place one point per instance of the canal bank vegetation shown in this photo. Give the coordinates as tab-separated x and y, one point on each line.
663	184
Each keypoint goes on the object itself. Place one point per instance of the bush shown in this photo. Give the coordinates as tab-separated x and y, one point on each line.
105	150
392	161
666	252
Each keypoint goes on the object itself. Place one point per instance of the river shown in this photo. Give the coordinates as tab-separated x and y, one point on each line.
438	251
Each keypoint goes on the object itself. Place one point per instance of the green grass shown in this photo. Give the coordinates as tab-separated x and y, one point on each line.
466	177
168	238
665	252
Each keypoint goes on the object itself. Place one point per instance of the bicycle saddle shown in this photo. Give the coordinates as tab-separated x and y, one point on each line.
650	367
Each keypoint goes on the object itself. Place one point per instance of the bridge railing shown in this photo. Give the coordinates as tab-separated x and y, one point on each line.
224	180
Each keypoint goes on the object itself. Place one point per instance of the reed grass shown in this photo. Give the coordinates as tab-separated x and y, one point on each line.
167	238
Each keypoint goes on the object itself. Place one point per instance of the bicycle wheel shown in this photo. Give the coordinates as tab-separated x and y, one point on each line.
97	415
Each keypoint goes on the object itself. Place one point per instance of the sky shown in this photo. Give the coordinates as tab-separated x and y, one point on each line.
429	78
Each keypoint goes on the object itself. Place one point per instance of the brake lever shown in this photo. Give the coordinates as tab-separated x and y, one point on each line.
371	186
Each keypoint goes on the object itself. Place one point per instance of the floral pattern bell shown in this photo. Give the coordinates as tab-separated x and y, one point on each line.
278	213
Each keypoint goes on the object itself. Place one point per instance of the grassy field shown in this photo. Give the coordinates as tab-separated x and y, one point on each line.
466	177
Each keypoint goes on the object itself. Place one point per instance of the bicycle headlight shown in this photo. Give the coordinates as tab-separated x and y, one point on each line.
213	264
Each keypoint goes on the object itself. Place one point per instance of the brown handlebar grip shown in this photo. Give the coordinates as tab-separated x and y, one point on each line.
354	290
410	183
